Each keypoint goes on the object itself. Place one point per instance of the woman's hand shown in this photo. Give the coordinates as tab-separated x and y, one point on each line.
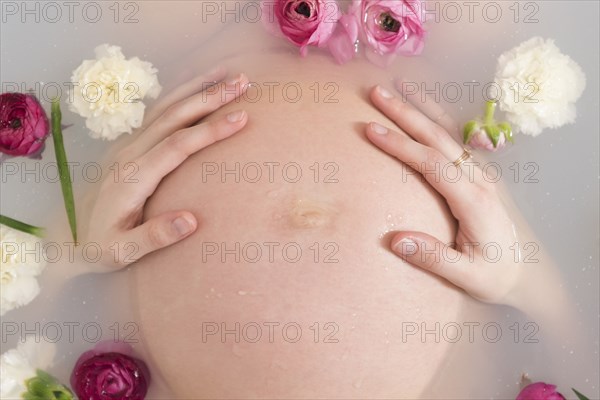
167	140
485	259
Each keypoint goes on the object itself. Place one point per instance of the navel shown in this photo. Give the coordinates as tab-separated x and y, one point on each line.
309	214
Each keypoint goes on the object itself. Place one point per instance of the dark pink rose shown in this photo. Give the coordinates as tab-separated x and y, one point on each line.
390	27
539	391
100	375
23	124
304	22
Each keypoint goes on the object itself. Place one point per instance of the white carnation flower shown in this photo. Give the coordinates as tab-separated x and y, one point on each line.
109	90
21	260
539	86
18	365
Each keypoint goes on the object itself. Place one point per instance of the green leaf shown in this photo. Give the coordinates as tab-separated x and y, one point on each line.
493	133
469	130
507	130
579	395
22	226
63	167
45	387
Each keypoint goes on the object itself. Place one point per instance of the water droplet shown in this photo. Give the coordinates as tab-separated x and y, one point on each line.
212	290
272	194
354	314
358	384
242	292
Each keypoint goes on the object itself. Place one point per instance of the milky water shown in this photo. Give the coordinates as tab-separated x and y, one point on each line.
553	178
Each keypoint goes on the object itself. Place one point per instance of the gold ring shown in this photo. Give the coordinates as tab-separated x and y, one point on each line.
463	157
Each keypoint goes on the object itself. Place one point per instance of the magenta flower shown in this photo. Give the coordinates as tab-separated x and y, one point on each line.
539	391
303	22
109	372
23	125
390	27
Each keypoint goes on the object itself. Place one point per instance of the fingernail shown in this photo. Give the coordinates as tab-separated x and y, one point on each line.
182	226
236	80
380	129
406	247
386	94
236	116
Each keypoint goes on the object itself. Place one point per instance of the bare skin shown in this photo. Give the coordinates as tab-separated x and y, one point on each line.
355	284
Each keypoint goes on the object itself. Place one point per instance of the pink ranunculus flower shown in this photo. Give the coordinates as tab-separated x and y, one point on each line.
303	22
342	43
23	125
390	28
109	372
540	391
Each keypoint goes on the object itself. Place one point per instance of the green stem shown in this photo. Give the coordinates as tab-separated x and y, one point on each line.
490	109
63	167
22	226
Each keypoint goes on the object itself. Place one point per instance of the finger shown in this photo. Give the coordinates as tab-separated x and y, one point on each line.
181	92
156	233
189	111
430	254
175	149
450	181
425	103
415	123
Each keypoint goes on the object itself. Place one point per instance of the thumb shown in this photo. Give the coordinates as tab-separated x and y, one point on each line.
156	233
431	254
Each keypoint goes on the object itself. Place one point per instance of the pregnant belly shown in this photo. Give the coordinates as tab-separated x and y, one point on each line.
288	289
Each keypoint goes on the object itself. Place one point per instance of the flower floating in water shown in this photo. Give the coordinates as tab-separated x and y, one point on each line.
22	374
487	134
19	268
109	90
539	86
389	28
110	372
303	22
23	125
539	391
